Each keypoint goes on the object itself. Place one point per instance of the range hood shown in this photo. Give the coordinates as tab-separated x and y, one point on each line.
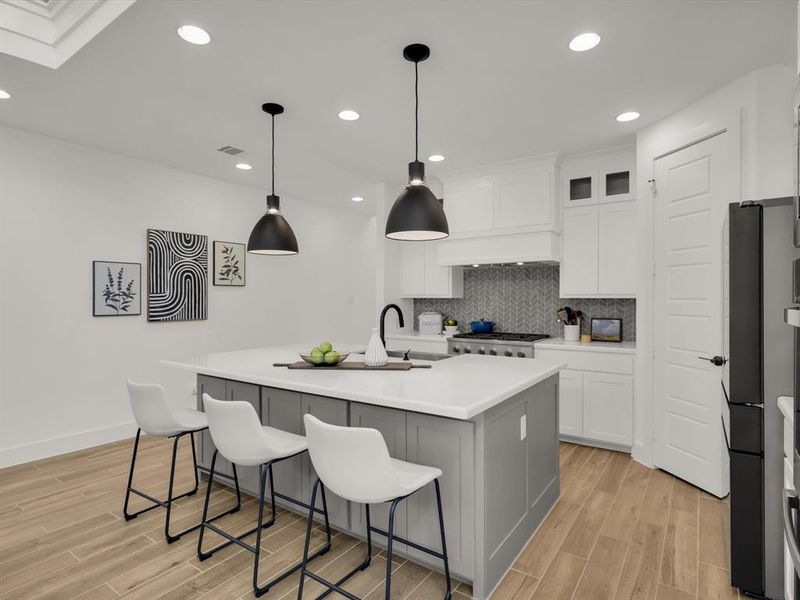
538	246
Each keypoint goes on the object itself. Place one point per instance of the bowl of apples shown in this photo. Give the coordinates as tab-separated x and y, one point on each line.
324	356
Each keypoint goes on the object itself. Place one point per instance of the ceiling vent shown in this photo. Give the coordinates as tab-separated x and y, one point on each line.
232	150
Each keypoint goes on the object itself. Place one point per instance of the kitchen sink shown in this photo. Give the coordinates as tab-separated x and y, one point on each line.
417	355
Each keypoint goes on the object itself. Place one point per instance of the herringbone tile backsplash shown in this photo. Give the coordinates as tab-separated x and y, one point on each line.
523	299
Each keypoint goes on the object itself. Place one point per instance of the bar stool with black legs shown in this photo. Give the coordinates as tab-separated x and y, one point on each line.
157	418
355	464
240	438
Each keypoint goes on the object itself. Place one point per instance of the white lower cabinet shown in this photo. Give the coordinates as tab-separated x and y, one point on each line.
570	403
595	396
608	408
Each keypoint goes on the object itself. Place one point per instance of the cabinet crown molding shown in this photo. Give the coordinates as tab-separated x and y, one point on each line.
543	161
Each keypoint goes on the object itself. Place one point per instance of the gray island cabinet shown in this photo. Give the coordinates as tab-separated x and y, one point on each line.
499	458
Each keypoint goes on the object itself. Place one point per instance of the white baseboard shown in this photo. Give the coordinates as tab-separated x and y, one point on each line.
69	443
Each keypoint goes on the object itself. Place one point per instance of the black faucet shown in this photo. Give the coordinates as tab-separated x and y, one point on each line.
383	320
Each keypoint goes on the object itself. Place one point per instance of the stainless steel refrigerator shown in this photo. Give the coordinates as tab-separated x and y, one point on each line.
762	367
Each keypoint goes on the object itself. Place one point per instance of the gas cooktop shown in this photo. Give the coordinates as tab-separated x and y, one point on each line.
502	337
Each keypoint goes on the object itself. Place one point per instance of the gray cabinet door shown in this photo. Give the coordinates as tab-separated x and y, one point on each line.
214	387
331	411
449	445
392	425
283	409
246	392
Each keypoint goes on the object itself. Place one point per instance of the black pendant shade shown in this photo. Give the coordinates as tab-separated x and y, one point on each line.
272	234
416	214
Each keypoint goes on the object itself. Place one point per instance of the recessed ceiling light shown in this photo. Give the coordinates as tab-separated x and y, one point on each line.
357	199
349	115
194	35
520	264
476	266
628	116
243	166
436	158
4	95
584	41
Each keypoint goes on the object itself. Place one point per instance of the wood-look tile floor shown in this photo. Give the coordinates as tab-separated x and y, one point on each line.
620	531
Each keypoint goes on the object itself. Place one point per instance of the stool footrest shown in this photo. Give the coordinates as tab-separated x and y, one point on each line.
414	545
298	502
334	587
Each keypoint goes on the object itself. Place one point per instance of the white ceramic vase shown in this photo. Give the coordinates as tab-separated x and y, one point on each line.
375	355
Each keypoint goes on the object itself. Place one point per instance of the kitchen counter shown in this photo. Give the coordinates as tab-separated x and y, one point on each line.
460	387
489	423
561	344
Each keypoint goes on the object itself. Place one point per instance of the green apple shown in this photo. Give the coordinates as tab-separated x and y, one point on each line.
451	322
317	357
326	347
332	357
315	349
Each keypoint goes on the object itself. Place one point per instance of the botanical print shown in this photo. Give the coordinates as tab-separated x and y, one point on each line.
116	289
229	263
177	276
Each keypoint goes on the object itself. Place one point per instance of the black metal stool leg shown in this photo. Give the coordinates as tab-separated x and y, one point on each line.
171	538
127	515
200	553
449	592
309	525
262	483
390	539
194	463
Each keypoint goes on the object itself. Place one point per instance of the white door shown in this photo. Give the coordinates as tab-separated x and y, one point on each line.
690	204
579	252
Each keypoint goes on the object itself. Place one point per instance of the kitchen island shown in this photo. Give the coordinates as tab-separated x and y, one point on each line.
489	423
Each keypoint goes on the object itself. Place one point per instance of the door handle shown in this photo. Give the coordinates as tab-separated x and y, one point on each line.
790	503
717	361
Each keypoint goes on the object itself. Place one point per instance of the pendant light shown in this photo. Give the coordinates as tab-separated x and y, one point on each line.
272	234
416	215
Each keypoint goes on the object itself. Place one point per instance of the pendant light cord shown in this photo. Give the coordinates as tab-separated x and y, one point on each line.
416	111
273	155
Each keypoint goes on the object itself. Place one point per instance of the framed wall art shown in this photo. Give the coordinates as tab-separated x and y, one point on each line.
177	276
229	263
606	330
116	288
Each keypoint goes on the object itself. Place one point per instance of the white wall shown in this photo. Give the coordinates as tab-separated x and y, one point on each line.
757	112
62	371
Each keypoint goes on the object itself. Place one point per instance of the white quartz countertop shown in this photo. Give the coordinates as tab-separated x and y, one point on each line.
561	344
460	387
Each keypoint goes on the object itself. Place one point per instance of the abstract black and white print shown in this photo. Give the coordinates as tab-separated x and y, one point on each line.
177	276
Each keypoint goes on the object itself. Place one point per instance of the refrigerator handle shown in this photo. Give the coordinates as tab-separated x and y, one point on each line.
790	502
725	433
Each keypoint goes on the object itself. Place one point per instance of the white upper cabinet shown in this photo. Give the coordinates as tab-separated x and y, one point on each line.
616	255
579	254
469	205
598	242
422	275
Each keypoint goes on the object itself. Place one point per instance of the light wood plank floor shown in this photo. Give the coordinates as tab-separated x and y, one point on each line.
620	531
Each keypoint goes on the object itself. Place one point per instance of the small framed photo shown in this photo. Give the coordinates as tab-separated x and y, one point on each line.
229	263
116	289
606	330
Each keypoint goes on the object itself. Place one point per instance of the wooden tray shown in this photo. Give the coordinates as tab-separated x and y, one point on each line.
353	366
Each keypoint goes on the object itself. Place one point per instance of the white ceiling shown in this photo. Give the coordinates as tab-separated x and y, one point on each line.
500	84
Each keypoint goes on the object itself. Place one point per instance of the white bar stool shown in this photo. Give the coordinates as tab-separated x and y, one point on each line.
157	418
355	464
239	436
